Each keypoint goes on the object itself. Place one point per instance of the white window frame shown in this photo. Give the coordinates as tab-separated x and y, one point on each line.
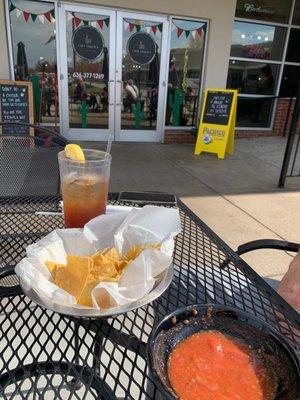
204	63
281	63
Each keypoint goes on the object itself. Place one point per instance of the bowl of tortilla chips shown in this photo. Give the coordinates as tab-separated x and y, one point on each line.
118	262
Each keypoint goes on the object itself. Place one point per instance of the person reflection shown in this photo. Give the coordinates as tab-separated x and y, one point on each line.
265	84
131	94
80	93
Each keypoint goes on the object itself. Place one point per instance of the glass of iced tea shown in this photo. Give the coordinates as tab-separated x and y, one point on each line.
84	186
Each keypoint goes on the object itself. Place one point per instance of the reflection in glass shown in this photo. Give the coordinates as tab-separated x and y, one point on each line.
293	50
254	112
88	76
185	71
257	41
252	78
290	80
266	10
296	15
34	54
140	73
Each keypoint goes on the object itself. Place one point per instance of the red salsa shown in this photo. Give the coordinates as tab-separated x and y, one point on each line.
212	366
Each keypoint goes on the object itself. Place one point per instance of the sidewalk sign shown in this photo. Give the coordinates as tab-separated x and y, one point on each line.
217	123
16	105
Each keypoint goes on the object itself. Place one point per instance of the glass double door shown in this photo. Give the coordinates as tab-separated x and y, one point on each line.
112	68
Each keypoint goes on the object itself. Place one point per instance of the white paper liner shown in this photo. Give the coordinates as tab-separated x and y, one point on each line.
122	229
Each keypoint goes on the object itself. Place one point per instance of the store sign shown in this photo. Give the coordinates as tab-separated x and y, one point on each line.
217	124
87	42
255	8
141	48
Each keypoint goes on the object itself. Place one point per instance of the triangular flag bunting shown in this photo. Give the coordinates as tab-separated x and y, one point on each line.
77	21
160	27
85	23
69	16
100	23
193	33
106	22
12	7
33	17
52	12
94	24
26	15
41	18
138	28
154	29
199	31
48	16
179	32
187	34
131	27
18	12
148	29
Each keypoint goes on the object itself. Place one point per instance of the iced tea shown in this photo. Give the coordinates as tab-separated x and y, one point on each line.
84	199
84	186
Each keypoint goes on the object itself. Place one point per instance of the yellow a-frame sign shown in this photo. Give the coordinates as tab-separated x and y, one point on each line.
217	123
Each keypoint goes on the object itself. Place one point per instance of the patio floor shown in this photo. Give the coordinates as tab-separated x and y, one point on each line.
237	197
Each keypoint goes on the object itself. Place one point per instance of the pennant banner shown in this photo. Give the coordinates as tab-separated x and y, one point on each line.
26	15
187	32
41	18
179	32
154	29
77	21
49	15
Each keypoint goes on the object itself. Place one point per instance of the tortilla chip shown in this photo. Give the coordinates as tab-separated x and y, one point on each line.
82	274
72	278
52	267
85	297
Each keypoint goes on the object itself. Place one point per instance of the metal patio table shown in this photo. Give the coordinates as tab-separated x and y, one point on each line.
44	355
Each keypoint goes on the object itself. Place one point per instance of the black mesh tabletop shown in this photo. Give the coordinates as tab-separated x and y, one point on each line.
44	355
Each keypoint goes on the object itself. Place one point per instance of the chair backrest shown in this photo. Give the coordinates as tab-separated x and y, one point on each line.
28	164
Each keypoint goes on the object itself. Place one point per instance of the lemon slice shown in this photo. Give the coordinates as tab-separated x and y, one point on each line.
74	151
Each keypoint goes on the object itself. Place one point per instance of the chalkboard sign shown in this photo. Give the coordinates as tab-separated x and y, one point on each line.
141	48
16	103
217	107
217	123
87	43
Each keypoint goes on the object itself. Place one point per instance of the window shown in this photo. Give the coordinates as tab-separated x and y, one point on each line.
254	112
293	51
257	41
265	47
290	80
264	10
185	72
33	31
252	78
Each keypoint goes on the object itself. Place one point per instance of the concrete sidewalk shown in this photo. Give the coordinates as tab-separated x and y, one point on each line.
237	197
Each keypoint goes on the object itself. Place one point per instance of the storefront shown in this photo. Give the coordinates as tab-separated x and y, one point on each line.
140	72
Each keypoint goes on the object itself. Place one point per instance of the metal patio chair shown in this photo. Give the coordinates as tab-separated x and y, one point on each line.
28	164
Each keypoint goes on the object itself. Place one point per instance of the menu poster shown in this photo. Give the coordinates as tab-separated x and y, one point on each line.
16	104
217	123
217	107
